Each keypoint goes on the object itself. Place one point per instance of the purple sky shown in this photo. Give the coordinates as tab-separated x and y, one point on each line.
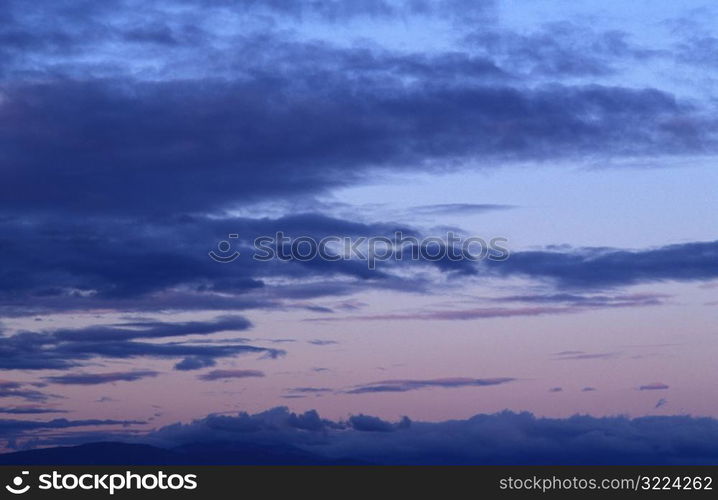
137	136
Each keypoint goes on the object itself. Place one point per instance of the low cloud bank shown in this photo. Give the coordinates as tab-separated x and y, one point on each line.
501	438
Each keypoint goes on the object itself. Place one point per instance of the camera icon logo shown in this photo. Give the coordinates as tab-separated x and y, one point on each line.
17	488
224	256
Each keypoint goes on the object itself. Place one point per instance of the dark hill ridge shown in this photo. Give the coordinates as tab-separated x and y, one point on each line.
115	453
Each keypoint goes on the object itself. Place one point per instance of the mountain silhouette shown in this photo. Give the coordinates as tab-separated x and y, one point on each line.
116	453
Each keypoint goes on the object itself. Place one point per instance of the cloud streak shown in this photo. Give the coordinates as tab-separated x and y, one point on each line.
591	268
29	410
654	386
100	378
414	385
64	349
229	374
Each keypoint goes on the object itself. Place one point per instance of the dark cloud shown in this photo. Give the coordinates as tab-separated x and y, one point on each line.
503	438
320	309
10	389
184	126
413	385
309	390
125	272
654	386
368	423
64	348
105	399
153	329
321	342
29	410
100	378
59	32
230	374
14	428
608	267
120	136
123	264
327	10
195	363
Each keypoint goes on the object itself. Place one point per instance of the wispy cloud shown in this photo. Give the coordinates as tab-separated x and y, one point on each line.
581	355
591	268
65	348
458	208
29	410
100	378
309	390
321	342
10	389
230	374
413	385
654	386
13	428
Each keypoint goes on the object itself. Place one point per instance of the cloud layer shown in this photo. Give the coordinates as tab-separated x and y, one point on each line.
68	348
502	438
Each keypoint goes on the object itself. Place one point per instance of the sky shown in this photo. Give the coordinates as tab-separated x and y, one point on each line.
137	136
